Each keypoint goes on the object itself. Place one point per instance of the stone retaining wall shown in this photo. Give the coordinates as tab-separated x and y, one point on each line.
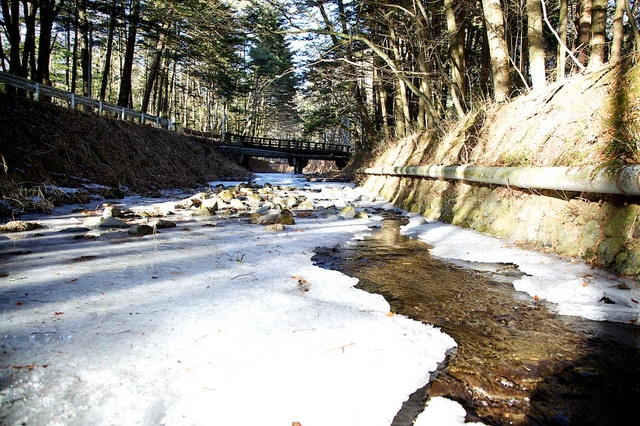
603	231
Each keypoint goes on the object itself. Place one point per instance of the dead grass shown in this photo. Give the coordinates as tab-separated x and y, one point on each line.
42	144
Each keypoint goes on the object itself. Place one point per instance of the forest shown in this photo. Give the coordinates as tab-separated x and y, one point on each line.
360	72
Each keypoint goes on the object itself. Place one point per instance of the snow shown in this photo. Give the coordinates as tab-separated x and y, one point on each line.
575	287
218	321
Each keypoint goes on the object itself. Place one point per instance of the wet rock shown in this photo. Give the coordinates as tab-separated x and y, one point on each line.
210	203
275	227
141	230
362	215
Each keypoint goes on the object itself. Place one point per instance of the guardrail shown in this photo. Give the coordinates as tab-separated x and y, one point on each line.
288	145
73	101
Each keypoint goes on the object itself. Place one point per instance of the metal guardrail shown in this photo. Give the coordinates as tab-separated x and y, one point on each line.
73	100
286	145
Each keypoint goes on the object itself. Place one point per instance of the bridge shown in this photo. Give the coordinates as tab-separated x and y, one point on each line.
297	152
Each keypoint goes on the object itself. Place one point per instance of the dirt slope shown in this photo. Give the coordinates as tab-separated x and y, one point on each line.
45	144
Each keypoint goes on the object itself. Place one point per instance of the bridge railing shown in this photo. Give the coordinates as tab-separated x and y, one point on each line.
73	101
286	144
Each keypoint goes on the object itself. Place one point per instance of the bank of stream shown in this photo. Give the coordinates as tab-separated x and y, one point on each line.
518	361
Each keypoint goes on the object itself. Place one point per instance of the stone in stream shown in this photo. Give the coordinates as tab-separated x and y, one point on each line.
162	224
305	205
347	212
141	230
272	219
109	222
112	211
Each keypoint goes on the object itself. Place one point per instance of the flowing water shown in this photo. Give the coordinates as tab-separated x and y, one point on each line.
517	361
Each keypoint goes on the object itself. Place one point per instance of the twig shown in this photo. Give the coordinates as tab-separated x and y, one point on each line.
241	275
340	347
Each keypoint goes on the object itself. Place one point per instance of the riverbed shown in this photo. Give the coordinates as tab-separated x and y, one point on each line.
218	320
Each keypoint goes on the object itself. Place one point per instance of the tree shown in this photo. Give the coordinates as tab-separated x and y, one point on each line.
500	63
124	97
536	44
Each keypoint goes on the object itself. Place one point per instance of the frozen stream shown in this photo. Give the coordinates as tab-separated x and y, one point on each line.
218	321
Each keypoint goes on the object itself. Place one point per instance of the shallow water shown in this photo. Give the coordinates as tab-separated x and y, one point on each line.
517	362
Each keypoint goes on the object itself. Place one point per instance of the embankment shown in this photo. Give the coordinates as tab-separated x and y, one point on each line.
587	120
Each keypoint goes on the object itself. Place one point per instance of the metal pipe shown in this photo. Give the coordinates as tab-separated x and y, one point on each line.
623	180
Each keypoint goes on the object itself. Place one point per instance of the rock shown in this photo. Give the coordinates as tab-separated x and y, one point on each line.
101	222
291	201
162	224
275	227
279	218
254	199
141	230
306	205
211	204
237	204
347	212
226	195
20	226
362	215
112	211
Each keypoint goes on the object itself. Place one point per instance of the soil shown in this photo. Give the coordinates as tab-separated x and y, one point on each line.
42	144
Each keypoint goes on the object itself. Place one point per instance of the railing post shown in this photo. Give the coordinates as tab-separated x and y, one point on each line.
100	108
122	116
73	101
37	92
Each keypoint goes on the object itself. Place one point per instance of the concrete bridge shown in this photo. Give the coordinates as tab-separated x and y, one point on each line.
297	152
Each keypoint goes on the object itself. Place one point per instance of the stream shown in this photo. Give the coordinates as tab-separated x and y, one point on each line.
517	362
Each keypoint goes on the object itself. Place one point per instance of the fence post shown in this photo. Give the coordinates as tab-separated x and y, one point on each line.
100	108
122	116
37	92
73	101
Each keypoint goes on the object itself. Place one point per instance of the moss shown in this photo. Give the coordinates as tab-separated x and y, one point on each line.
627	261
608	250
622	220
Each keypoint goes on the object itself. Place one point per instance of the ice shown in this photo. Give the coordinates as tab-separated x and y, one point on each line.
215	321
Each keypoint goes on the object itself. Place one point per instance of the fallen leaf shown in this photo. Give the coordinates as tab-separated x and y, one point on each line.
634	300
18	303
390	314
72	281
584	284
536	298
58	313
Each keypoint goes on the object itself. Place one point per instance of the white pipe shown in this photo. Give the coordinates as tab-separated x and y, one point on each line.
623	180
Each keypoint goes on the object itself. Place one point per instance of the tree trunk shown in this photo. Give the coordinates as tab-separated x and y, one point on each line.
124	97
457	56
30	11
584	31
536	44
562	35
155	67
500	65
618	31
113	19
85	51
598	33
48	13
402	104
11	18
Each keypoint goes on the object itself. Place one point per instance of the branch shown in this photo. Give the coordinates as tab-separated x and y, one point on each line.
566	49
